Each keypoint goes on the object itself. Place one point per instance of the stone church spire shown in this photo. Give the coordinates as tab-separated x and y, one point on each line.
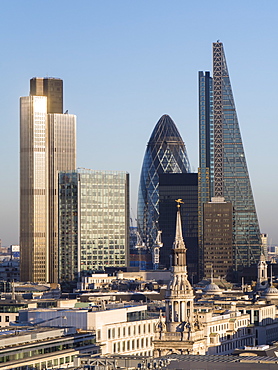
181	332
179	295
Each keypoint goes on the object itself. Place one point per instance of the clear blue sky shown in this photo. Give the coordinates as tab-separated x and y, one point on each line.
124	64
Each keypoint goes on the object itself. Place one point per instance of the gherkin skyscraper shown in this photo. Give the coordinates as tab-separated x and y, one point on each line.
165	153
223	171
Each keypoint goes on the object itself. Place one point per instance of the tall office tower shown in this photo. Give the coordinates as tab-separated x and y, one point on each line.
165	153
205	170
93	222
47	146
218	238
222	159
173	186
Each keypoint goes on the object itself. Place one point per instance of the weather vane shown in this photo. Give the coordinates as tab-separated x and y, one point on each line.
179	201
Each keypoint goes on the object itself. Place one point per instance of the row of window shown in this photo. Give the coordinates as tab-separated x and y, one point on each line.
7	318
130	330
131	345
41	351
235	344
47	364
225	326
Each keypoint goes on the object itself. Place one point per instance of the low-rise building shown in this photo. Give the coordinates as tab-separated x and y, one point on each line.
43	347
121	330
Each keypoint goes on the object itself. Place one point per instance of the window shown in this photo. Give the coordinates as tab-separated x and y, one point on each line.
109	333
7	318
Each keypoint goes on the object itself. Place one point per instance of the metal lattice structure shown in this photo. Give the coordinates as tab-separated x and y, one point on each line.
218	119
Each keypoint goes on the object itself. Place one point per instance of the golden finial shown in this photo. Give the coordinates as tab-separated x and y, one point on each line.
179	201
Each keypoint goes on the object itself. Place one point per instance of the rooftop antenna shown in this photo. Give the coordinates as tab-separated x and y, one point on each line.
13	291
211	274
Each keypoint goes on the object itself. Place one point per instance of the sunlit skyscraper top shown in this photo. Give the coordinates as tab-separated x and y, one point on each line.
165	153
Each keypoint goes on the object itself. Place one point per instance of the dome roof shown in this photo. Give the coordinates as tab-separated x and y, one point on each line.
270	292
212	289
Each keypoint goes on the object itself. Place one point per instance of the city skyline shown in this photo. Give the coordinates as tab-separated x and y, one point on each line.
123	69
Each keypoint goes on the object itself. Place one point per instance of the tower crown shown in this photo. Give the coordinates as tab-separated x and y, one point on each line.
179	249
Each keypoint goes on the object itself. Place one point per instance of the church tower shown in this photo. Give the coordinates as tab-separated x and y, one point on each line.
262	280
180	332
179	295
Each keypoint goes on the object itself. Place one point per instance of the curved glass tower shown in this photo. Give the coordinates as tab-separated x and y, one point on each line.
165	153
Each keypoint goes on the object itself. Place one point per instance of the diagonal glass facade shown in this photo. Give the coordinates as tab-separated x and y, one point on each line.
230	173
237	186
165	153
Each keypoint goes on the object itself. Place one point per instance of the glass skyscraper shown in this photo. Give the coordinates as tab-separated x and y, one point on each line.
173	186
165	153
222	164
93	221
47	145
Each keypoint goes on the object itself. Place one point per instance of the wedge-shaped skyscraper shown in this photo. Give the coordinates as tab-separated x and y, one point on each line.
223	169
165	153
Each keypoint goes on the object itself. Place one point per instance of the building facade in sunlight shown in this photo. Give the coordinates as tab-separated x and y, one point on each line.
93	222
47	146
